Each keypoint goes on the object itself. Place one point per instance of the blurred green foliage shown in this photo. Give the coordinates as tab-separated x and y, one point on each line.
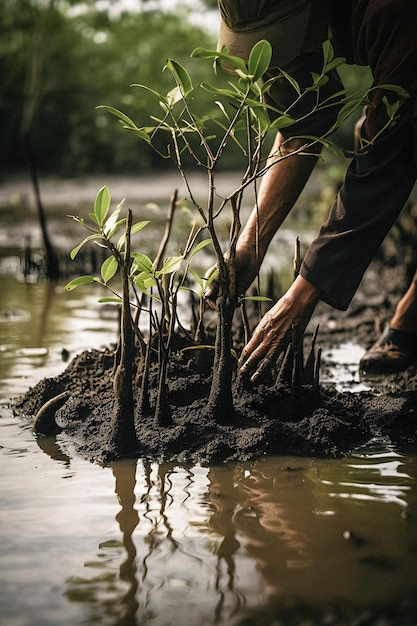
59	59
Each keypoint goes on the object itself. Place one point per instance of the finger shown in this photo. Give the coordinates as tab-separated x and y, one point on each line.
210	296
263	368
253	353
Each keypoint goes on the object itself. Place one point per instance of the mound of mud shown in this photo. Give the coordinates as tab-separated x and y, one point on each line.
314	422
78	404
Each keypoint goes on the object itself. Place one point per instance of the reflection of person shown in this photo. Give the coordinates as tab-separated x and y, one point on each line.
377	33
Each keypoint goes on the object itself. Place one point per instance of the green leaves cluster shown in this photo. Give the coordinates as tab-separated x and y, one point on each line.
103	227
145	274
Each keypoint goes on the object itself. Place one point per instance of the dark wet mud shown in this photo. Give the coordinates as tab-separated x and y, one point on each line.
313	420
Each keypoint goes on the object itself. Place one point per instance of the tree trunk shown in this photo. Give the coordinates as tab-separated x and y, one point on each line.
124	434
220	402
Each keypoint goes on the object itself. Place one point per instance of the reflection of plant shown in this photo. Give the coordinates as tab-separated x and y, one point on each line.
243	119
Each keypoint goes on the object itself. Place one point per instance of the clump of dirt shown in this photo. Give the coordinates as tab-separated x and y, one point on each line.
308	421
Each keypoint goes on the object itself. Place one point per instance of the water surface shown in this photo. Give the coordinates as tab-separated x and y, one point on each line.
283	540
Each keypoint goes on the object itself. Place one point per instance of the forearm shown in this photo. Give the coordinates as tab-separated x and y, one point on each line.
280	188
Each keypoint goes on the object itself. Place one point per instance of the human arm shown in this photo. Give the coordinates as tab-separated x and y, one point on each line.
280	188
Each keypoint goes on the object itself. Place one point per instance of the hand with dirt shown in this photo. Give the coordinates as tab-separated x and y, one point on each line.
271	336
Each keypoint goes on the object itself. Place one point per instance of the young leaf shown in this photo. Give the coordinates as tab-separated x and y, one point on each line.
170	264
119	114
108	299
108	269
256	298
328	52
76	250
199	247
225	58
141	263
81	280
111	222
135	229
102	205
181	76
173	96
259	59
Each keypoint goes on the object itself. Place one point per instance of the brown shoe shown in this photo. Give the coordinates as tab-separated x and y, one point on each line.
394	351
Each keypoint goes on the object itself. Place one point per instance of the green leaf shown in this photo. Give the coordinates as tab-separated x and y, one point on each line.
256	298
119	114
348	109
212	277
92	217
144	281
141	263
181	76
326	143
259	59
108	269
135	229
282	121
112	300
225	58
170	264
337	62
198	278
228	93
142	134
76	250
111	222
200	246
328	52
138	226
102	205
292	81
81	280
403	93
262	117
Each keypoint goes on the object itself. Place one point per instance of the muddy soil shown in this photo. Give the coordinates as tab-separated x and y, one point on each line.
309	421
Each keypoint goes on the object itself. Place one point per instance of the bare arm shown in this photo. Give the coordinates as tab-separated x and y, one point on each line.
279	190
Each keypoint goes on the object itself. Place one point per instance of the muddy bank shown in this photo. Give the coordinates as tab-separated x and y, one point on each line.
314	420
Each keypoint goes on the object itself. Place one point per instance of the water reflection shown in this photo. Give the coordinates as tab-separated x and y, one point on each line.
208	546
41	326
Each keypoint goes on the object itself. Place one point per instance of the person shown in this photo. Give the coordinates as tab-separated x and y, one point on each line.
376	33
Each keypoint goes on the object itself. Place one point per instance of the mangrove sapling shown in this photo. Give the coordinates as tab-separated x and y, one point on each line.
103	229
240	107
244	109
123	426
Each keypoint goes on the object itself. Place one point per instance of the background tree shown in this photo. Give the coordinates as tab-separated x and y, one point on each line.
59	59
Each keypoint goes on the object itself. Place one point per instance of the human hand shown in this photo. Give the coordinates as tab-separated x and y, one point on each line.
271	336
247	268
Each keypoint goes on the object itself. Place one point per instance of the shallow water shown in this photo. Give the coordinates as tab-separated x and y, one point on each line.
285	540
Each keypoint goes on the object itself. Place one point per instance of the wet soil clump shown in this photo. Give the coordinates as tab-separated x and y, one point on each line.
311	420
